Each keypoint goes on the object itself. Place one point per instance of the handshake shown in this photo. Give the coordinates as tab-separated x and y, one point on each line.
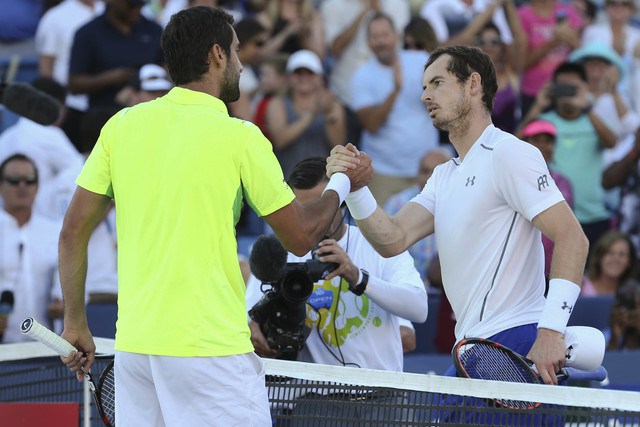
353	163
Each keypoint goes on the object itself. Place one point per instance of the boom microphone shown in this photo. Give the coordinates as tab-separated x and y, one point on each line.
31	103
268	259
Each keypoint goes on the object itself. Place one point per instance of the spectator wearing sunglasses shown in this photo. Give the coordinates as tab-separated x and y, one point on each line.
47	146
28	248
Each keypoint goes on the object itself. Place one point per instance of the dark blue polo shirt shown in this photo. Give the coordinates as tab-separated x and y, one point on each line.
99	46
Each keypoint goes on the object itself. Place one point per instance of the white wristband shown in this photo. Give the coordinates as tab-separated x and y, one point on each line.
341	184
561	298
361	203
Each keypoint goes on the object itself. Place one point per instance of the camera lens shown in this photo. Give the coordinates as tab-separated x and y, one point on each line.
296	287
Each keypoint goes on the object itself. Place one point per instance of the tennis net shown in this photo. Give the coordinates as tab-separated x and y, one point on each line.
304	394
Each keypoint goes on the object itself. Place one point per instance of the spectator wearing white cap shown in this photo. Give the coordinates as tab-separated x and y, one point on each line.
150	83
308	121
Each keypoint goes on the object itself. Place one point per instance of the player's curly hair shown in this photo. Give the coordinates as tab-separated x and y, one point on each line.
188	38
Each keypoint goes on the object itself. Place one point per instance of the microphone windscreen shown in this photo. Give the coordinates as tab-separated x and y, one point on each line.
268	259
29	102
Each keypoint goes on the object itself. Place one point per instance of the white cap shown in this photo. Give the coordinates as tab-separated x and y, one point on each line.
585	347
153	77
305	59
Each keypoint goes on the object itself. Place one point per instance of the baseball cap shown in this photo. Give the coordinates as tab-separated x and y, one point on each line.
305	59
537	127
601	51
153	77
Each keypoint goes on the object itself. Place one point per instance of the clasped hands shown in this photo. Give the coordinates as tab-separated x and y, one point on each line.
352	162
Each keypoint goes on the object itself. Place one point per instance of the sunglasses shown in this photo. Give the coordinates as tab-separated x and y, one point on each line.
16	180
488	42
619	3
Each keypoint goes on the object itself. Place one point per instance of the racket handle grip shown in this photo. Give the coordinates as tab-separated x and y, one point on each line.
599	374
35	330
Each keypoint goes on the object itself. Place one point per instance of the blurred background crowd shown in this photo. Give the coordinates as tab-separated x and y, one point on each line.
319	73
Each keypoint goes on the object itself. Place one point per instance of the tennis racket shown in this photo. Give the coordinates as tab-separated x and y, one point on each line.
103	394
487	360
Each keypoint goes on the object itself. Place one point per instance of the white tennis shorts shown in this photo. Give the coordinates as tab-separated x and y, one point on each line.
190	391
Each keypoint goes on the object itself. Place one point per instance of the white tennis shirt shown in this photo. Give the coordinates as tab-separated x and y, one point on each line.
490	252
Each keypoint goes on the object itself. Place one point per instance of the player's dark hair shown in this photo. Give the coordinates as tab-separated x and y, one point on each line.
188	38
19	157
570	68
465	60
308	173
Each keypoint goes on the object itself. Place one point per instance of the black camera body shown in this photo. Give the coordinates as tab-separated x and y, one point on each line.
281	312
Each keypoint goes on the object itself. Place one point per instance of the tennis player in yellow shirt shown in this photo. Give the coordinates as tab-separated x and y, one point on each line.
178	168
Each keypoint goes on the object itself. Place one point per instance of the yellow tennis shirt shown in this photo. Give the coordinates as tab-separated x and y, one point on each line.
177	168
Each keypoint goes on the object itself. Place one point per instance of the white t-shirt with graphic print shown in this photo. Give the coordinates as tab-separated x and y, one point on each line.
365	334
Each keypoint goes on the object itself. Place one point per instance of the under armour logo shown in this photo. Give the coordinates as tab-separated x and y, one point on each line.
569	350
470	181
543	182
567	306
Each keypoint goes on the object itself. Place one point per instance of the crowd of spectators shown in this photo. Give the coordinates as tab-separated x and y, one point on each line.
319	73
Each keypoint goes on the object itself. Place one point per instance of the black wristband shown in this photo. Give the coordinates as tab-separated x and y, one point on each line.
362	286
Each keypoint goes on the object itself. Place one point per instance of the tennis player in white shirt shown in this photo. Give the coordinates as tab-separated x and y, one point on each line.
488	207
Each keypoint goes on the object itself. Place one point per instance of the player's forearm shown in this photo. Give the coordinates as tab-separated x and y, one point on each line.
400	299
73	273
569	256
382	233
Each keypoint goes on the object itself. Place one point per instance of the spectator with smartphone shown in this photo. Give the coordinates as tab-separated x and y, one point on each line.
581	139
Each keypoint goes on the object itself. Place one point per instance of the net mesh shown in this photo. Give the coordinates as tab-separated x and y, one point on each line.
304	394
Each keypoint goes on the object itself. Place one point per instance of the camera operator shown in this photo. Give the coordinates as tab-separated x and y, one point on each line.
353	312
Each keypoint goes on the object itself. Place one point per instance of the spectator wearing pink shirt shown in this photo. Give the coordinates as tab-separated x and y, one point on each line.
553	31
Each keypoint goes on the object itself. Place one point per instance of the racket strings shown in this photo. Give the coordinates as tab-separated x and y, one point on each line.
107	395
490	363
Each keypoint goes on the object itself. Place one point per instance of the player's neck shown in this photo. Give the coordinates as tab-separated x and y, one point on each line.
463	137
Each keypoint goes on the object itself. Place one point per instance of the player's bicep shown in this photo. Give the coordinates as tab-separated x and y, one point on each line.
556	220
85	212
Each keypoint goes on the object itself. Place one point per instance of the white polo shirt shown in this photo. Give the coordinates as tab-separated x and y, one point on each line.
491	253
